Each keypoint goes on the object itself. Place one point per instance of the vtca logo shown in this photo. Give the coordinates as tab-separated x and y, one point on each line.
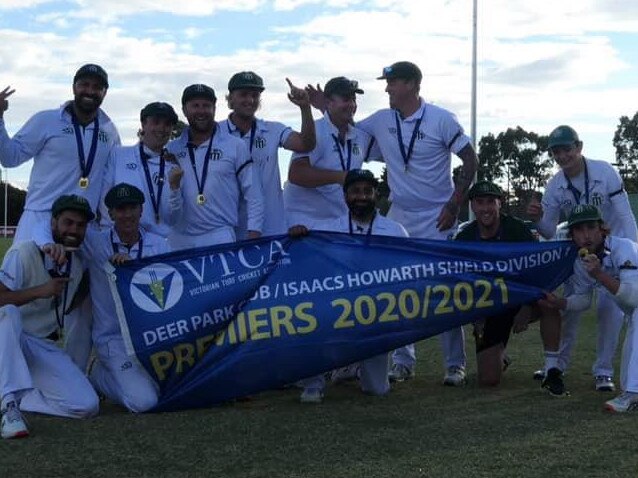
156	288
260	143
216	154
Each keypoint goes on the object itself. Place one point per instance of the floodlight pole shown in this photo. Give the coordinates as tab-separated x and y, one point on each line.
473	103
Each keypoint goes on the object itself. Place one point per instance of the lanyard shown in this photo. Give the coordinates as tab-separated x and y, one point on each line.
85	163
155	201
191	154
408	155
56	300
116	249
577	194
369	231
345	166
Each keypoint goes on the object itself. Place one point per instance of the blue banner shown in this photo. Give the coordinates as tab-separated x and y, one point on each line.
217	323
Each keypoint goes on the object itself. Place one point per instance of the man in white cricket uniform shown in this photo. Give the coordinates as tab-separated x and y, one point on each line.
149	167
263	139
115	374
36	375
416	140
608	262
360	194
314	188
217	170
69	146
586	181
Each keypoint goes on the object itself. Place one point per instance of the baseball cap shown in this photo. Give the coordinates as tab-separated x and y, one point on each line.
356	175
485	188
198	91
584	213
160	109
91	69
123	193
72	202
342	86
402	69
563	136
246	80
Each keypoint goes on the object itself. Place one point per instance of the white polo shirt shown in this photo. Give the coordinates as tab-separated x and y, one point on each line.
306	205
263	142
381	226
605	190
427	183
125	166
49	138
98	248
229	175
620	261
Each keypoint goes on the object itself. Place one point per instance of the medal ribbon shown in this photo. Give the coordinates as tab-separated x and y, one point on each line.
85	164
577	194
345	166
369	231
116	249
191	154
155	202
408	155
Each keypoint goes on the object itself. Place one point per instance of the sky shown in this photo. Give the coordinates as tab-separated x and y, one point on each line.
540	63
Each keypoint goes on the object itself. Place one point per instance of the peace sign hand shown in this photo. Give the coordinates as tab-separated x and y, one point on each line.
4	103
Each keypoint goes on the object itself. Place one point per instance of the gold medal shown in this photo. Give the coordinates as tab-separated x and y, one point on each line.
84	183
201	199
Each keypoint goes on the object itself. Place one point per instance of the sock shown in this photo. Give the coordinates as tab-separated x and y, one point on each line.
551	359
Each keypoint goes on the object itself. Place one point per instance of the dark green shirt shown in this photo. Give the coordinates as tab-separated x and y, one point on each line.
511	229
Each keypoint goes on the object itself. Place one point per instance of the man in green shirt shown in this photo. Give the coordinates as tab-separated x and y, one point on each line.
492	333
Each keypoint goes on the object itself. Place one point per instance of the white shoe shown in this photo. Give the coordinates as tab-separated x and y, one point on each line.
13	425
454	377
627	402
604	383
311	395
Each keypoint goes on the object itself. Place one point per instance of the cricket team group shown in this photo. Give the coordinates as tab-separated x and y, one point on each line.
91	201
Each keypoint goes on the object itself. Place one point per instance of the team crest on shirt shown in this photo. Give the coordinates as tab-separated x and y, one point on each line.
392	130
596	199
67	130
181	154
260	143
216	154
356	150
102	137
156	288
420	135
131	166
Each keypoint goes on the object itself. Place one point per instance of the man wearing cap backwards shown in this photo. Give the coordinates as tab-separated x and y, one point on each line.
217	171
608	262
36	375
69	146
360	194
416	139
149	167
585	181
492	333
314	188
263	139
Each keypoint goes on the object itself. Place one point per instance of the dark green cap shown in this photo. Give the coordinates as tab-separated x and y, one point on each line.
198	91
584	213
356	175
485	188
246	80
72	202
123	193
91	69
158	109
402	69
563	136
342	86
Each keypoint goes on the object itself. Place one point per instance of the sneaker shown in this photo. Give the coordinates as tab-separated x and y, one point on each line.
454	377
311	395
400	373
604	383
539	374
627	402
553	383
345	374
13	425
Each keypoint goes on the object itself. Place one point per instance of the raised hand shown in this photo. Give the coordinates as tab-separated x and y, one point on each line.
4	103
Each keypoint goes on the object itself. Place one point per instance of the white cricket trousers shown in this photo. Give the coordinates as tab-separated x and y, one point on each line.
629	362
373	376
40	375
121	378
221	235
610	321
421	224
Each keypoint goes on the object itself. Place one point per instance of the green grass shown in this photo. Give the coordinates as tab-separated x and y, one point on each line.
420	429
5	244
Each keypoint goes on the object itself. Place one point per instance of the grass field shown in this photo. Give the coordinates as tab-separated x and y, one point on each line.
421	429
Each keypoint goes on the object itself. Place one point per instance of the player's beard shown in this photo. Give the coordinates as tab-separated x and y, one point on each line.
87	104
70	241
362	210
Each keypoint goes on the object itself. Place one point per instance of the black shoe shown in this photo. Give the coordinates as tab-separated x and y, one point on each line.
539	374
553	383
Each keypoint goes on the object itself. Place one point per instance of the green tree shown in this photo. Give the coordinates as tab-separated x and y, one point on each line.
491	162
626	144
16	199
